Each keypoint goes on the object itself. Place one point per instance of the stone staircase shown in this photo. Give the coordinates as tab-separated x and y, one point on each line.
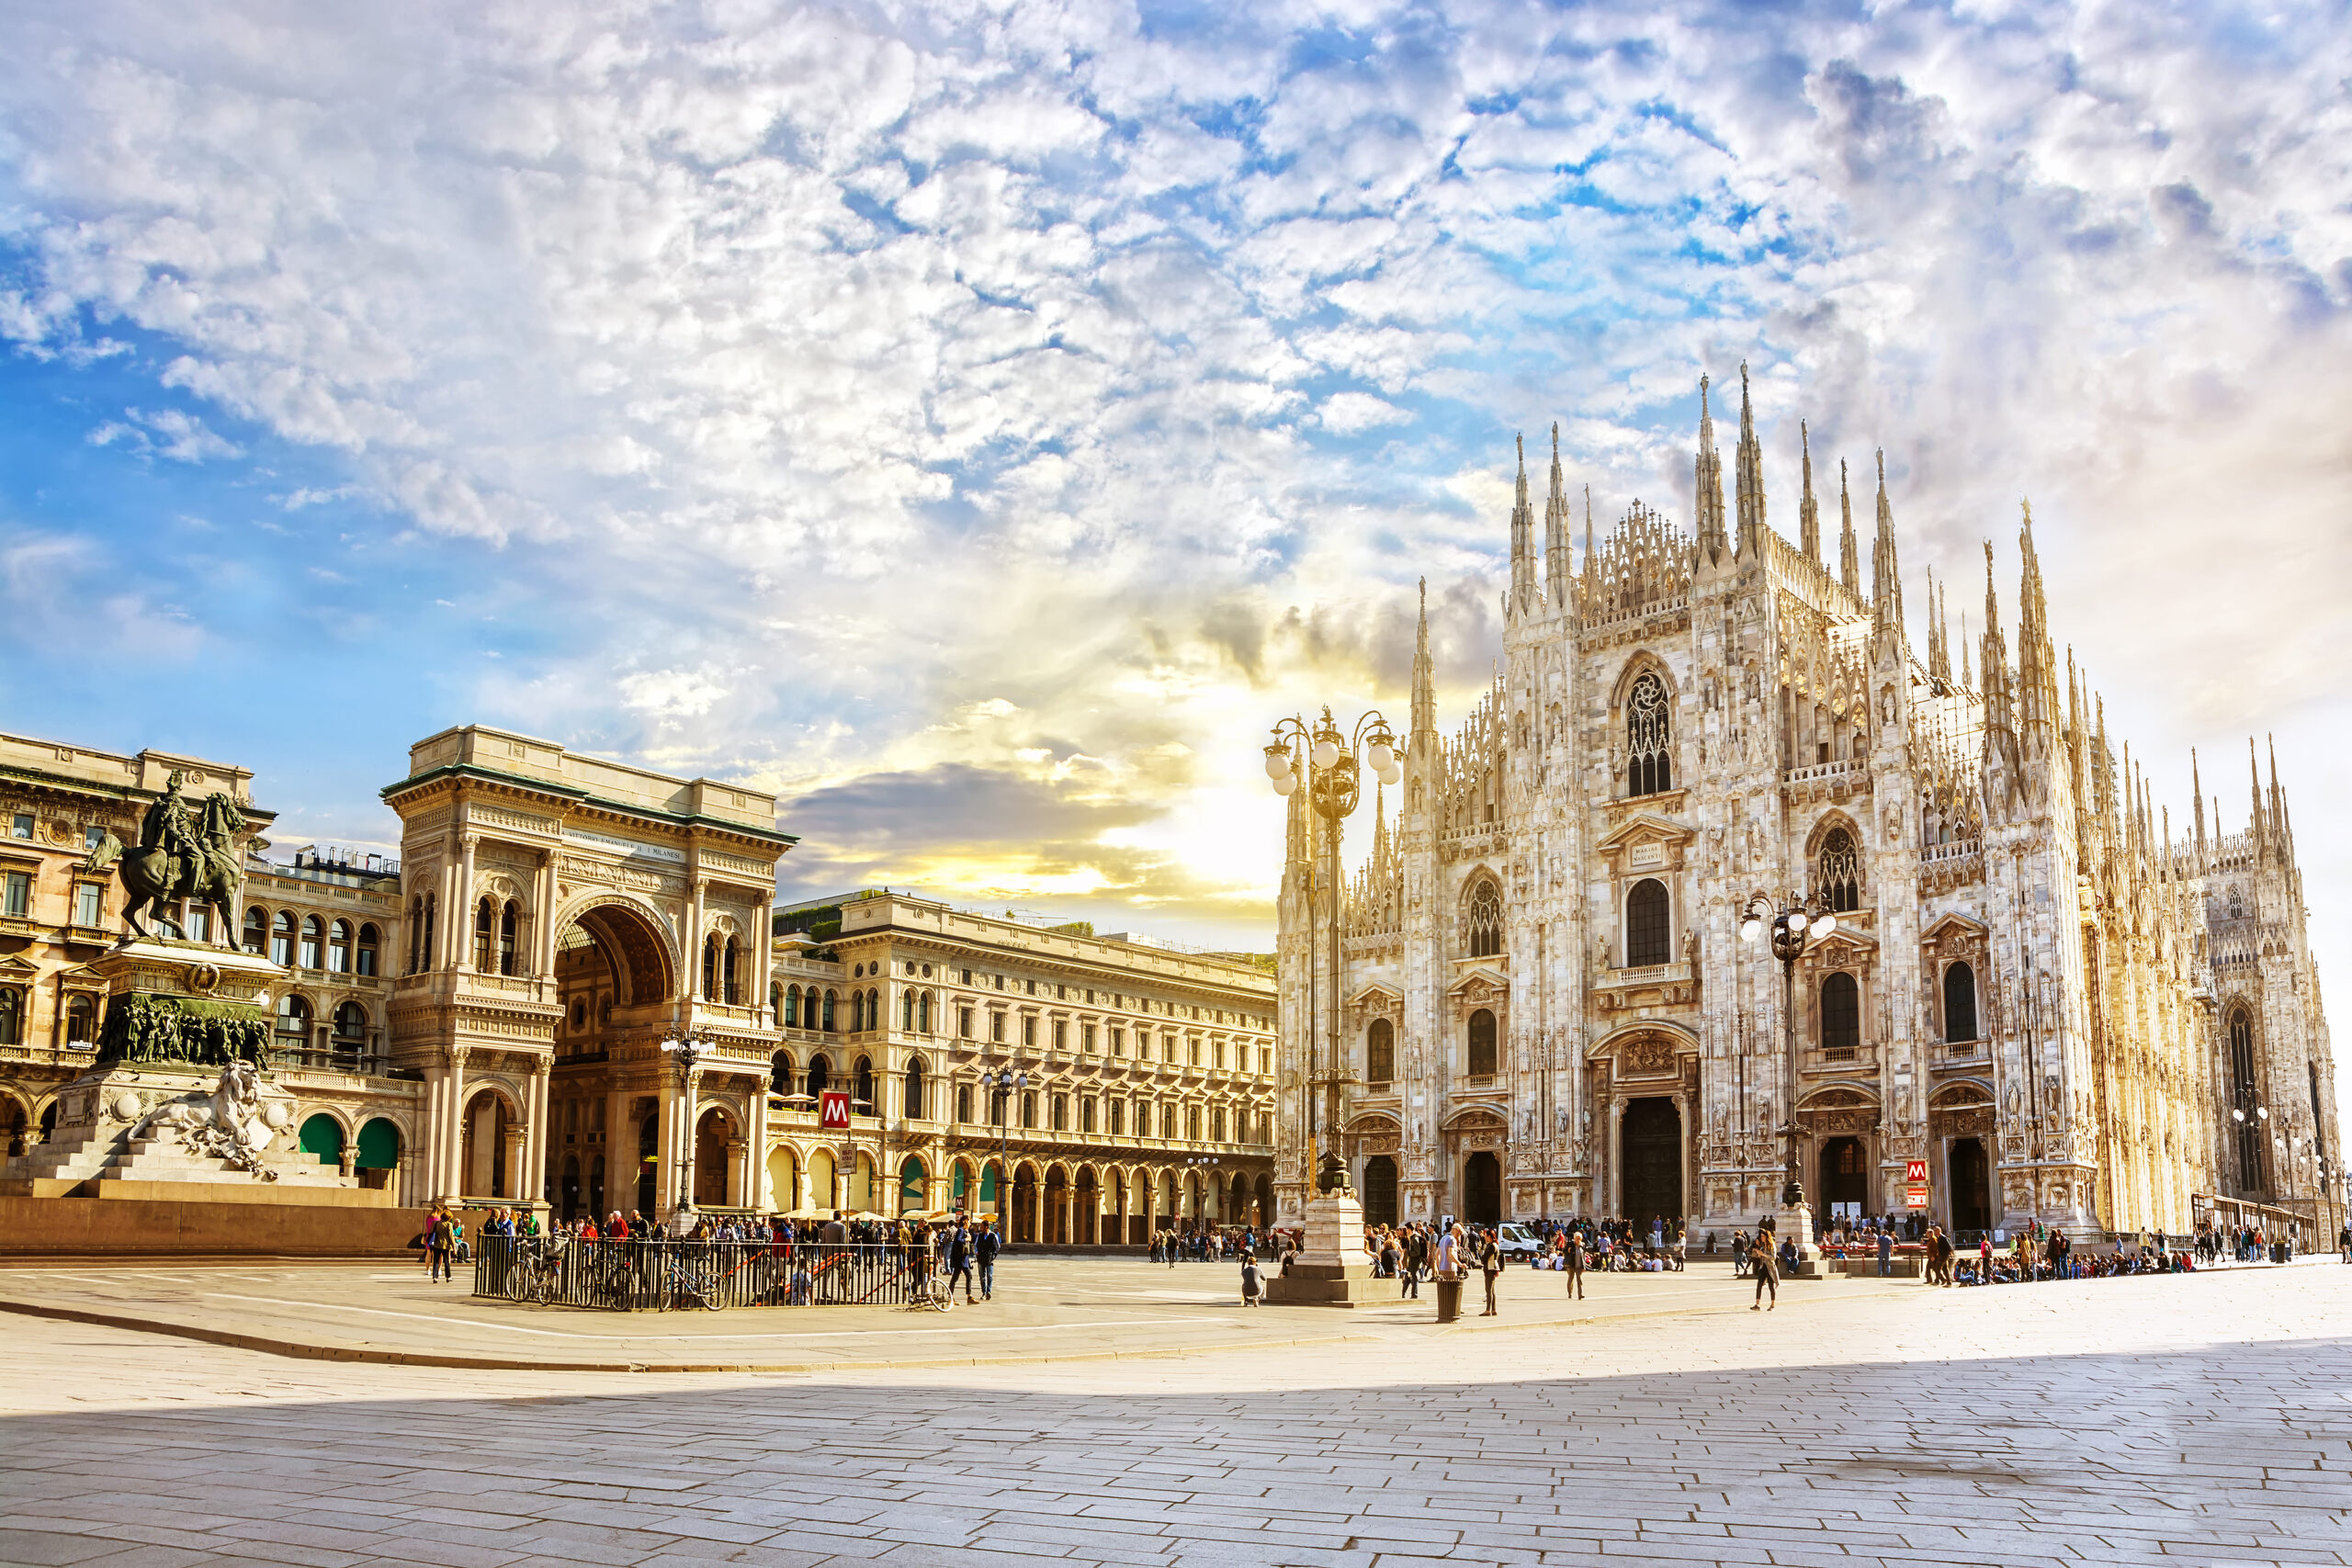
55	1169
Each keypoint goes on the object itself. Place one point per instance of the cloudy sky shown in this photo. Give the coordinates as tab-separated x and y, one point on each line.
979	423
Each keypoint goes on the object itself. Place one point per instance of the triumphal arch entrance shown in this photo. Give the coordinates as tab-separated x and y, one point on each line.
582	988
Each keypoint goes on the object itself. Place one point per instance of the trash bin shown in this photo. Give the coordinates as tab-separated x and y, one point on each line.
1449	1299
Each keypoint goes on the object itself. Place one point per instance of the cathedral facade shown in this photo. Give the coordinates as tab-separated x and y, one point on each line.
1533	998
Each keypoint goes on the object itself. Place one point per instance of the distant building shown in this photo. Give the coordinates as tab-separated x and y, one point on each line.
1150	1072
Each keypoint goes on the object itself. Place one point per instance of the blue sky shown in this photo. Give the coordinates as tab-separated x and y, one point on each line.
978	421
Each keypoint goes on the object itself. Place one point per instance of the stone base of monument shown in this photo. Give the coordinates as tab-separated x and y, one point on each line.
1795	1224
180	1104
1330	1269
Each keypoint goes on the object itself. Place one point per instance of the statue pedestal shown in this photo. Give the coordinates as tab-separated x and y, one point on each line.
1795	1224
1330	1269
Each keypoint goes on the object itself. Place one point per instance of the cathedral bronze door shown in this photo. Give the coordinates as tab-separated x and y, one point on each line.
1971	1187
1845	1184
1379	1191
1651	1158
1482	1190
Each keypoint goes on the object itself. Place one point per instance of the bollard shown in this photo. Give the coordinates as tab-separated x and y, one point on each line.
1449	1299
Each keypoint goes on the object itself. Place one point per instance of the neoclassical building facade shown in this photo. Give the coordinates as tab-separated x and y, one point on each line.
2066	1007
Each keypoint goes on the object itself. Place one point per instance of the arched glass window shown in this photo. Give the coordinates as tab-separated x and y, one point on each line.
81	1019
1482	919
510	927
730	973
1649	737
923	1012
776	1004
829	1013
1842	1017
792	1007
314	930
907	1011
914	1109
350	1028
963	1103
1061	1112
710	992
281	939
1960	1002
1648	938
339	948
780	1072
293	1023
1380	1051
865	1088
12	1016
820	1075
485	929
256	930
1837	870
1029	1109
1480	1062
363	957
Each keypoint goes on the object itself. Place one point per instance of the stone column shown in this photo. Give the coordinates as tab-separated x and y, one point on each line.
514	1159
694	941
764	951
739	1184
535	1152
544	933
452	1175
756	1193
620	1153
465	901
444	946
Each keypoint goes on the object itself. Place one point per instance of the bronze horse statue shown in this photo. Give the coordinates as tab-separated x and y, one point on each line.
156	878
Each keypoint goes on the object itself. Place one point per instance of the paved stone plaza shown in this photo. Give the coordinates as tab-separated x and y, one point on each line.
2195	1420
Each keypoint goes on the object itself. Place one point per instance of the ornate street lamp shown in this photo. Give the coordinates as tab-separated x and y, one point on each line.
1793	923
1332	765
687	1051
1001	1086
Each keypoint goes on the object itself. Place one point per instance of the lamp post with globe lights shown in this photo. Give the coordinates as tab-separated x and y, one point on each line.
1331	763
1792	923
1001	1086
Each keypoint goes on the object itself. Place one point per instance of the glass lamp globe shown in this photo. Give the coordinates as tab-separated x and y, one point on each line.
1751	929
1277	760
1823	926
1326	751
1286	783
1377	758
1392	774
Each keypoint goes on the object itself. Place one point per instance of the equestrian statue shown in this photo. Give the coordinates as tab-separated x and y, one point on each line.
186	851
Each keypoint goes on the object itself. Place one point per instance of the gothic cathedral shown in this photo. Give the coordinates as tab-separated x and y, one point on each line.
1536	1001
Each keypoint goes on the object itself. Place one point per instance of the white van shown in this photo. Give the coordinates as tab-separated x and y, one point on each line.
1516	1240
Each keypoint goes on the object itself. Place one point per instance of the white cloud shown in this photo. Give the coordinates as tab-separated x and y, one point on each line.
843	374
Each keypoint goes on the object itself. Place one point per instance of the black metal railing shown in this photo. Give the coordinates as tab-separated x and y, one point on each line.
643	1276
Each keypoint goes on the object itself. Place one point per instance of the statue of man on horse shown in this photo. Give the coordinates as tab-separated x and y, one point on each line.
186	850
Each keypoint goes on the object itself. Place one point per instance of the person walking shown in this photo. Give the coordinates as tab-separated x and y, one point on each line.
984	1247
959	1259
441	1244
1490	1263
1572	1259
1885	1254
1768	1278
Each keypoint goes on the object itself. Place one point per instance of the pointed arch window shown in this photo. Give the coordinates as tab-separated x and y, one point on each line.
1842	1017
1479	1059
1380	1052
1647	937
1649	737
1482	919
2244	1098
1960	1002
1837	870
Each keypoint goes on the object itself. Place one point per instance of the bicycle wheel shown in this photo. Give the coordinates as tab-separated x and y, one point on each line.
944	1302
518	1284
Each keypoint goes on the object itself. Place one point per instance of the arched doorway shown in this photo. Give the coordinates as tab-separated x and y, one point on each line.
784	1179
596	1189
1650	1144
914	1184
1482	1189
713	1134
1380	1191
1086	1207
1265	1199
1057	1229
1972	1186
1237	1211
568	1192
488	1144
379	1154
1024	1204
323	1139
1845	1180
613	976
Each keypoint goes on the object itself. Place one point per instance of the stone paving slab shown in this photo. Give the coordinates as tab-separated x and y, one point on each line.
1045	1308
2201	1419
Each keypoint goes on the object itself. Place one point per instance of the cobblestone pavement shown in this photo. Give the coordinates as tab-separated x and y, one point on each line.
2190	1419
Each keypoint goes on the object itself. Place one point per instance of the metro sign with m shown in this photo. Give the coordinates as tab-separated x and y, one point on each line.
833	1109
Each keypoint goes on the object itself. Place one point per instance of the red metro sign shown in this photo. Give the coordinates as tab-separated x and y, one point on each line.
833	1109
